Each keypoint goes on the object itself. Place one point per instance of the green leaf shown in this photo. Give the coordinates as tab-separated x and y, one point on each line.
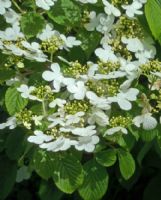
126	164
15	144
43	163
14	102
65	12
48	192
32	24
148	135
68	173
153	13
89	41
6	74
8	170
95	181
106	158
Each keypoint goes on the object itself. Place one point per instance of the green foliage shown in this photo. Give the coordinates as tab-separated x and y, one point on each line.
65	12
13	100
106	158
126	164
8	170
153	13
95	181
32	24
68	173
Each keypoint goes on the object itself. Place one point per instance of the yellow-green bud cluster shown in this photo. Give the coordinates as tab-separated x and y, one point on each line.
75	69
18	43
52	45
54	132
120	121
13	60
104	87
43	92
119	48
119	2
85	17
129	28
74	106
25	117
151	66
106	67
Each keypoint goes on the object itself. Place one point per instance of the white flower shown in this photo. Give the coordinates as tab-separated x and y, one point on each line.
106	54
73	119
87	131
57	77
37	120
57	102
46	33
133	44
111	131
11	123
87	143
26	92
99	102
70	41
94	21
4	4
60	144
105	23
148	122
78	90
87	1
12	33
45	4
110	9
11	16
99	117
39	138
124	98
133	9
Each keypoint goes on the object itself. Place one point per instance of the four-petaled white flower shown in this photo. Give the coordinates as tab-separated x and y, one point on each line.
45	4
133	9
146	120
26	92
114	130
110	9
5	4
124	98
78	90
39	137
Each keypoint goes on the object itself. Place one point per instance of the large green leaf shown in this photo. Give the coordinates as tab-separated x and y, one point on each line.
8	170
14	102
153	15
148	135
106	158
68	173
95	181
126	164
43	163
15	144
65	12
32	24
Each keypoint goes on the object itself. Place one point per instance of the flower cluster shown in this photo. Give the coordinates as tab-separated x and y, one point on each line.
79	103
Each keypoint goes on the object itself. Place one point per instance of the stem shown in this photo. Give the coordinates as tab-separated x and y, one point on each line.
51	56
44	108
17	6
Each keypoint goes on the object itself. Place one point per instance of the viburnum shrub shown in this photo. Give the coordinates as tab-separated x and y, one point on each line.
80	90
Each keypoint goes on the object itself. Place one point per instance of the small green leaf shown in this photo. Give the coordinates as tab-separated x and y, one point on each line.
148	135
32	24
95	181
68	173
126	164
13	100
106	158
